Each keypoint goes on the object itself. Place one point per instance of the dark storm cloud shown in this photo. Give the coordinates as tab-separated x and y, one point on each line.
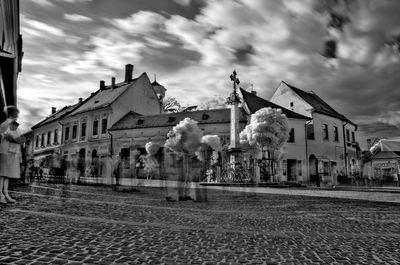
168	59
243	55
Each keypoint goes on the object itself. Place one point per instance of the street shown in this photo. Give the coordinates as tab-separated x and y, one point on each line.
61	224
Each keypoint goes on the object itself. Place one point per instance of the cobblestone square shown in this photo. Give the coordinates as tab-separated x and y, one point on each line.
69	224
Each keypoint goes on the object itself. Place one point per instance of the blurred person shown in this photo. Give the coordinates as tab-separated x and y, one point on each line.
117	166
56	169
395	179
10	152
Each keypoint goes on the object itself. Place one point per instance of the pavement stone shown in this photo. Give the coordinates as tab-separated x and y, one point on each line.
70	224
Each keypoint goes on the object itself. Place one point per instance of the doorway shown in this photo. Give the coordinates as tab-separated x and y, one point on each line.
291	169
313	166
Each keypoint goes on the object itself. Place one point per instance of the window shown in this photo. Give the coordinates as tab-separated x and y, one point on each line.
325	131
95	127
66	133
37	141
353	137
299	168
104	125
55	139
291	136
347	135
310	132
42	140
48	138
326	169
83	129
74	131
336	133
205	117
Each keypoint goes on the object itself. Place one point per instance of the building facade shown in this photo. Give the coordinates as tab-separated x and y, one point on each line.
292	165
47	136
133	131
10	53
86	142
331	146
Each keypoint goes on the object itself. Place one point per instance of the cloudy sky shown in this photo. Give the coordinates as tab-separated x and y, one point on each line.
193	46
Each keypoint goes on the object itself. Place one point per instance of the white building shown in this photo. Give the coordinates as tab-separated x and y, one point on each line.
86	142
293	164
331	137
47	135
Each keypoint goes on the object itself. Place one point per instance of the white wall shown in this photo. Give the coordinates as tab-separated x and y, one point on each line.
284	95
45	129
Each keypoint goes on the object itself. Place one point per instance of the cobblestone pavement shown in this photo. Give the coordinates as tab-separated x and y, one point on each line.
69	224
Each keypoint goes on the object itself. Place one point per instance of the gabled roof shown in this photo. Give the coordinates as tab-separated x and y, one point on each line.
317	103
255	103
133	120
57	115
105	97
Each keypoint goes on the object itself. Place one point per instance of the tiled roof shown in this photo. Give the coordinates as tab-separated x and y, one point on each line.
133	120
317	103
102	98
255	103
58	114
105	97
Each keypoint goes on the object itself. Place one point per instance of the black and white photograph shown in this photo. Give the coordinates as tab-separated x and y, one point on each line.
199	132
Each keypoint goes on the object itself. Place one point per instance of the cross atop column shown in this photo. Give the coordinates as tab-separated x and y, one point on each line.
235	80
234	96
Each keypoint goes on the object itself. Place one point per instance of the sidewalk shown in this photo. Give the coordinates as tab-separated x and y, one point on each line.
384	194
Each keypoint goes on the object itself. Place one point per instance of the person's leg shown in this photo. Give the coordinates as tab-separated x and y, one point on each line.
2	197
5	191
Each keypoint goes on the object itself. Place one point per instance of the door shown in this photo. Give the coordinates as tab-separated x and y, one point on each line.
291	169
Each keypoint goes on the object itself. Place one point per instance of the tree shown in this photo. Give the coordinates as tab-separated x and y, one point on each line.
217	102
184	139
268	130
171	104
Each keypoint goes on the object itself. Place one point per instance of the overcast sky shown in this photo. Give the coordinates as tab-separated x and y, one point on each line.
193	46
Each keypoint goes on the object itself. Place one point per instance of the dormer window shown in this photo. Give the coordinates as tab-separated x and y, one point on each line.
140	121
205	117
171	119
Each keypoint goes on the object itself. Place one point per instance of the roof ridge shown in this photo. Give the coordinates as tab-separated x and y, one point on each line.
271	104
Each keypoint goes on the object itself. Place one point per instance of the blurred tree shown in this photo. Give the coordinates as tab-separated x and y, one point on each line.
217	102
171	104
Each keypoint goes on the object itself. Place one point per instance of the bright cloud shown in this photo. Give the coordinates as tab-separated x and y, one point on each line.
77	18
39	28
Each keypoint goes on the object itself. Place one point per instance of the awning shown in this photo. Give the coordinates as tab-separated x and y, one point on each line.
392	144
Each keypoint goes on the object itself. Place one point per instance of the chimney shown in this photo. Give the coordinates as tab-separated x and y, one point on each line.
80	100
102	85
53	110
252	91
112	82
128	73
